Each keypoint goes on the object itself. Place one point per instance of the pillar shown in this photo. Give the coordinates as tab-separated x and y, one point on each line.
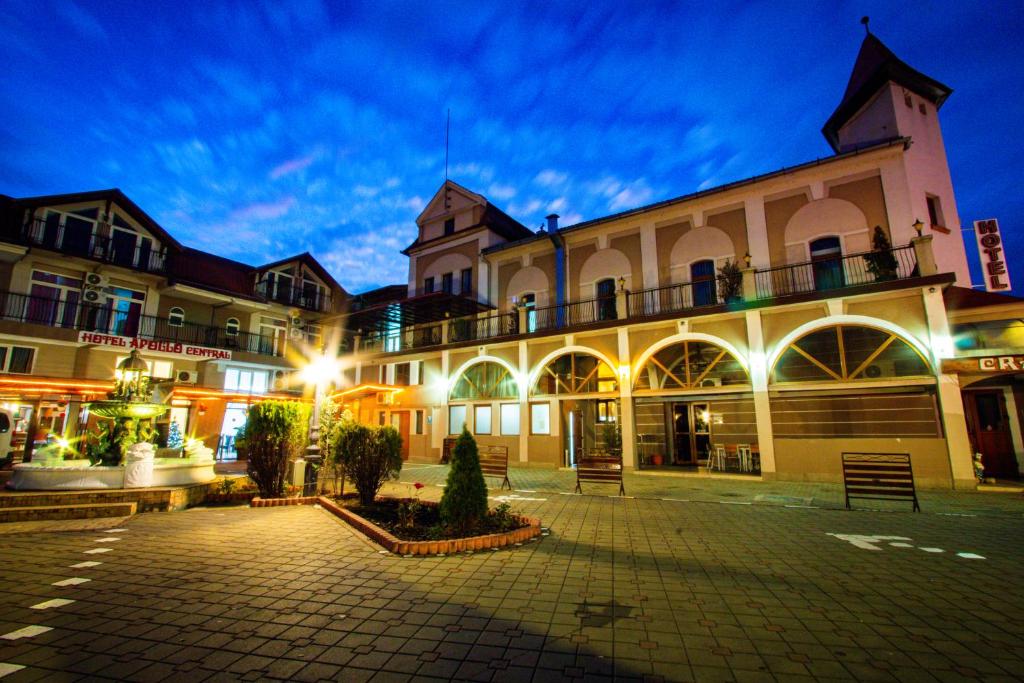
759	383
757	232
626	421
950	400
749	287
649	255
925	256
440	421
524	390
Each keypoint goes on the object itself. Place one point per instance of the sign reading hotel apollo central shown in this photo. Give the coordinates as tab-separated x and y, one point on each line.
984	364
993	260
190	350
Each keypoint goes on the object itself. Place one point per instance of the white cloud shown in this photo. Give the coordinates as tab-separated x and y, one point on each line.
262	211
557	205
291	166
550	178
502	192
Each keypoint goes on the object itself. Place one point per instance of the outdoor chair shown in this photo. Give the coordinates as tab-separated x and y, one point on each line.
746	457
716	457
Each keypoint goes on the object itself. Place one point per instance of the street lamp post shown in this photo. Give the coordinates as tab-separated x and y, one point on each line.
318	372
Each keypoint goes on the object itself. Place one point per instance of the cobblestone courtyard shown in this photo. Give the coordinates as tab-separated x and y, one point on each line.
639	588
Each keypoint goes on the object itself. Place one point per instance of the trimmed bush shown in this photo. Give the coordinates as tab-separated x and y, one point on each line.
274	432
464	502
370	455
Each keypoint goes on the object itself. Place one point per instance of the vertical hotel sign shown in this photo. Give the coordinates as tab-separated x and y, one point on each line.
993	256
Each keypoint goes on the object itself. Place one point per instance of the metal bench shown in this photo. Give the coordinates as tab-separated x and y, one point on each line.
605	469
494	463
879	476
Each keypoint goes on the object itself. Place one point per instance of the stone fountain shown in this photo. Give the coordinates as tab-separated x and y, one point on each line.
120	454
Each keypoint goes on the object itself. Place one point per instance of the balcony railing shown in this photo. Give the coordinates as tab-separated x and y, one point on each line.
55	236
839	272
287	295
822	275
99	318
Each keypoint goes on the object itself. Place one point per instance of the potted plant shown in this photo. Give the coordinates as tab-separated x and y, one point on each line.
731	278
879	261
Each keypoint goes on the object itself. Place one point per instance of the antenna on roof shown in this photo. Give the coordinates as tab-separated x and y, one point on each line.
866	20
447	130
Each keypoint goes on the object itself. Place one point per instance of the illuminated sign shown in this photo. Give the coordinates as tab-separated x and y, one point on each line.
993	256
984	364
177	348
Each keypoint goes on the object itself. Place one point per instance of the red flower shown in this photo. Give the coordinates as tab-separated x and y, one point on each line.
418	486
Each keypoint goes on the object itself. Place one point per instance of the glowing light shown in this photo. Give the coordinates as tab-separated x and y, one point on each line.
624	373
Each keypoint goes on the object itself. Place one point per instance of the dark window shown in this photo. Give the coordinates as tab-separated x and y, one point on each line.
5	423
702	275
402	374
17	359
446	283
934	211
826	255
419	421
606	300
466	281
449	226
428	285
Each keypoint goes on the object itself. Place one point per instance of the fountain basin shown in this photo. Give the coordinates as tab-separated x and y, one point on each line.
77	475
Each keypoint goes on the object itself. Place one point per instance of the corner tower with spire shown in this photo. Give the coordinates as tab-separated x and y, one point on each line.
887	99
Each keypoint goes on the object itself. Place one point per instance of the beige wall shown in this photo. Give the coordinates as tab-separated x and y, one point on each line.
777	214
666	238
821	459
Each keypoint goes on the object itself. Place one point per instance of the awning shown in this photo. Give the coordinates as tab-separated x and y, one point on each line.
414	310
199	393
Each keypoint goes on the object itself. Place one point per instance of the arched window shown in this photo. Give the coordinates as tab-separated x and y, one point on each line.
231	327
702	275
605	291
827	262
484	381
843	353
691	365
575	373
176	317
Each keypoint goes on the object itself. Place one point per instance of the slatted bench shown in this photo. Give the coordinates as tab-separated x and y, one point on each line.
494	463
879	476
599	469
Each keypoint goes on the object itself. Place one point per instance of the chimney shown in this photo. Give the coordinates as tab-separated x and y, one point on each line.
553	222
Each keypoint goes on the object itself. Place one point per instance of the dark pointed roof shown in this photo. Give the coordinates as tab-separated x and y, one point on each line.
875	66
310	261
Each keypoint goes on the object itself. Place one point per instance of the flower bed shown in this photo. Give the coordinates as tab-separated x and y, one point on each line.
258	502
233	497
530	528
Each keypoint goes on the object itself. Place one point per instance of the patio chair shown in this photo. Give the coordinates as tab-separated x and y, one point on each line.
716	457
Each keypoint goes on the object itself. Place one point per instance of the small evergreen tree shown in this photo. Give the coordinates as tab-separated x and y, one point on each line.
464	501
174	439
880	261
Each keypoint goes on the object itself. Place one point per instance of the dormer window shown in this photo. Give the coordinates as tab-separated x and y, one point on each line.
449	226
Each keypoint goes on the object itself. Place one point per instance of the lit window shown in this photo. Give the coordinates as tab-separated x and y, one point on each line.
176	317
482	419
510	419
540	418
456	419
247	381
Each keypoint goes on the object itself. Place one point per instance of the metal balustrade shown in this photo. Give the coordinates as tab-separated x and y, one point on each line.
682	297
55	236
837	272
104	319
485	327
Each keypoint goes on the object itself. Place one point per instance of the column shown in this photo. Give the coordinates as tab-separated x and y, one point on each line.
950	401
524	392
626	421
757	232
440	423
30	433
759	382
649	256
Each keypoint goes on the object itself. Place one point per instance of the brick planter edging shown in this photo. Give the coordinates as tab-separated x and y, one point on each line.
258	502
446	546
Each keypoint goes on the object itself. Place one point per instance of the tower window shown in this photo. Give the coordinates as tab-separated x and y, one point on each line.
935	211
449	226
907	101
921	108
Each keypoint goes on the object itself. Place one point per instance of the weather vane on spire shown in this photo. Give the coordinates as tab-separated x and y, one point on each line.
866	20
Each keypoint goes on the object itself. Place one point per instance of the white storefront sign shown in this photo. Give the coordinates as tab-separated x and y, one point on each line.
178	348
993	255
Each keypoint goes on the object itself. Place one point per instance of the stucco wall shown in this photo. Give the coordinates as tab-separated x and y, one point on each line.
821	459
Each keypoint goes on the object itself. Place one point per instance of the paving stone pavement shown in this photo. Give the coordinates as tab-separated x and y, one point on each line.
626	589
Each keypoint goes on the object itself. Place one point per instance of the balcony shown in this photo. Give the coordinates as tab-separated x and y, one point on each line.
307	299
86	317
812	279
124	252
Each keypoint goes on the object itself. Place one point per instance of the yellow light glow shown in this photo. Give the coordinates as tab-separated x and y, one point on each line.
321	370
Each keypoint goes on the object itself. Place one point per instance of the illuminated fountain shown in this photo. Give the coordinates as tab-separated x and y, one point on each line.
120	453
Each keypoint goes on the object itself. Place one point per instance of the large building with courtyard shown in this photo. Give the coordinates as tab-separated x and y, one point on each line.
763	327
760	328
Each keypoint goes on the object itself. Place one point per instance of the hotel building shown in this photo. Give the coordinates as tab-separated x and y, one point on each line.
764	327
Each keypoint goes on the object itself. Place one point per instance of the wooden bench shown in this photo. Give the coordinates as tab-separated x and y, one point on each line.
447	449
494	463
879	476
601	469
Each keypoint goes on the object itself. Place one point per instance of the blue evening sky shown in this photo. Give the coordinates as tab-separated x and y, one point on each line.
256	130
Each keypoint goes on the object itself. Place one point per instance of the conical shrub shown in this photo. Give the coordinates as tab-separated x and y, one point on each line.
464	501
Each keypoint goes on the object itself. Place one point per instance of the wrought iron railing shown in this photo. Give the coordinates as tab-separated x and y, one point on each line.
684	296
287	295
51	234
101	318
836	272
575	313
472	328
